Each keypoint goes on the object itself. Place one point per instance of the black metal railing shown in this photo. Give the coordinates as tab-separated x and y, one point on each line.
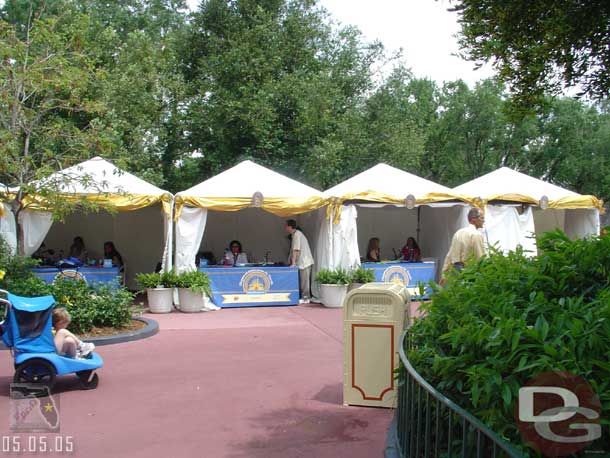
429	425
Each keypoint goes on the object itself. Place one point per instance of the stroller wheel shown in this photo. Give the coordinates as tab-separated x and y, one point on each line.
36	370
88	381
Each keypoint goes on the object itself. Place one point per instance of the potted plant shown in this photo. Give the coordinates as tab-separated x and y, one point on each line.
333	286
360	276
159	290
192	287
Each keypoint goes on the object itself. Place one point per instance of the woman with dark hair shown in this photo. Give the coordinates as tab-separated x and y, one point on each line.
110	252
78	250
411	251
373	251
234	254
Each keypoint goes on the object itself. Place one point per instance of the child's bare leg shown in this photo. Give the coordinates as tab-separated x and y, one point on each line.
66	343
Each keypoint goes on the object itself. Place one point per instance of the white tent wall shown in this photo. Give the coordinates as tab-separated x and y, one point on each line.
506	229
576	223
582	222
392	225
8	228
138	235
438	224
548	220
257	230
35	226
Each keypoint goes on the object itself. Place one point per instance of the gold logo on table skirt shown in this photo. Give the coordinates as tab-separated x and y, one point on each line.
256	281
396	274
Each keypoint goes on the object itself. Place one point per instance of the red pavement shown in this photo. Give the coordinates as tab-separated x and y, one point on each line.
254	382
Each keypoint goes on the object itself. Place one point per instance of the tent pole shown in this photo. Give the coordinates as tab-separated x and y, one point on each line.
418	223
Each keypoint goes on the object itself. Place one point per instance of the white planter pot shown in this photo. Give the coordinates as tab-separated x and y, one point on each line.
190	302
333	295
160	300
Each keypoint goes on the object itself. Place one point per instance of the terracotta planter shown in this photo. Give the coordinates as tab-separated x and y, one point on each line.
190	302
160	300
332	296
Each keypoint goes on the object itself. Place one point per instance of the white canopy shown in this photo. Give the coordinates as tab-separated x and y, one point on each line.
503	189
383	195
100	181
246	178
385	180
103	177
262	194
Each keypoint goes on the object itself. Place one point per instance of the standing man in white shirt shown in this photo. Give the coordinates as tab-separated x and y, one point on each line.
300	256
467	243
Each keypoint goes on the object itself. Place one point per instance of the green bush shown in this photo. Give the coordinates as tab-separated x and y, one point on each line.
333	277
362	275
195	280
505	319
149	280
89	305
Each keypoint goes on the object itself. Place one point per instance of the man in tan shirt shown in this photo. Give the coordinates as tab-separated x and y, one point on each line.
467	243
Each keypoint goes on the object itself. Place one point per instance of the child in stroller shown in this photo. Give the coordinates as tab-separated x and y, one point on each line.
66	343
27	331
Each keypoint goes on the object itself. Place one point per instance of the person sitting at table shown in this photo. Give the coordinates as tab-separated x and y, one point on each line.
47	257
110	252
78	250
411	252
373	251
235	255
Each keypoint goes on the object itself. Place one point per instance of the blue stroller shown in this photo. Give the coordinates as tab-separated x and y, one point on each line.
26	330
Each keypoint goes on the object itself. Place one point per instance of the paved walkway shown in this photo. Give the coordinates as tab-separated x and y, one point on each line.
255	382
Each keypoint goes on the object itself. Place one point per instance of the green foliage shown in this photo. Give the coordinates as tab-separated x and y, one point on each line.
362	275
540	46
195	280
333	277
505	319
91	306
149	280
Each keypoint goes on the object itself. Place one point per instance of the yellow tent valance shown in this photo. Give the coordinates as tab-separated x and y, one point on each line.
280	206
565	203
335	204
119	202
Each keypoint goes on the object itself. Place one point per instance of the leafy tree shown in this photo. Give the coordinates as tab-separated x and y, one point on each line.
272	81
47	119
540	46
571	148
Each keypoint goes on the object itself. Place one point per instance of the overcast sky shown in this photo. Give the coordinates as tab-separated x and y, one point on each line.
424	29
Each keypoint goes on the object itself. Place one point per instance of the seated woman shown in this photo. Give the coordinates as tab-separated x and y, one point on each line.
373	251
110	252
411	251
235	255
78	250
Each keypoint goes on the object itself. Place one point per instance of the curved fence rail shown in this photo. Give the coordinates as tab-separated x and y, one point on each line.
429	425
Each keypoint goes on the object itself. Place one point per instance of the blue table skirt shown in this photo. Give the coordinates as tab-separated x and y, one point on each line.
91	274
409	274
253	286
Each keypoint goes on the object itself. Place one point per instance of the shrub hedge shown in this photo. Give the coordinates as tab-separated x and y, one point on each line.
507	318
90	305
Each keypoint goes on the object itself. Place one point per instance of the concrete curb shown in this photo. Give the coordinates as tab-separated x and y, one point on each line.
151	328
391	443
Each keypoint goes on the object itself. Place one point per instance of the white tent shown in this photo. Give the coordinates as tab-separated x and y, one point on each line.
8	229
390	204
141	207
518	205
246	202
